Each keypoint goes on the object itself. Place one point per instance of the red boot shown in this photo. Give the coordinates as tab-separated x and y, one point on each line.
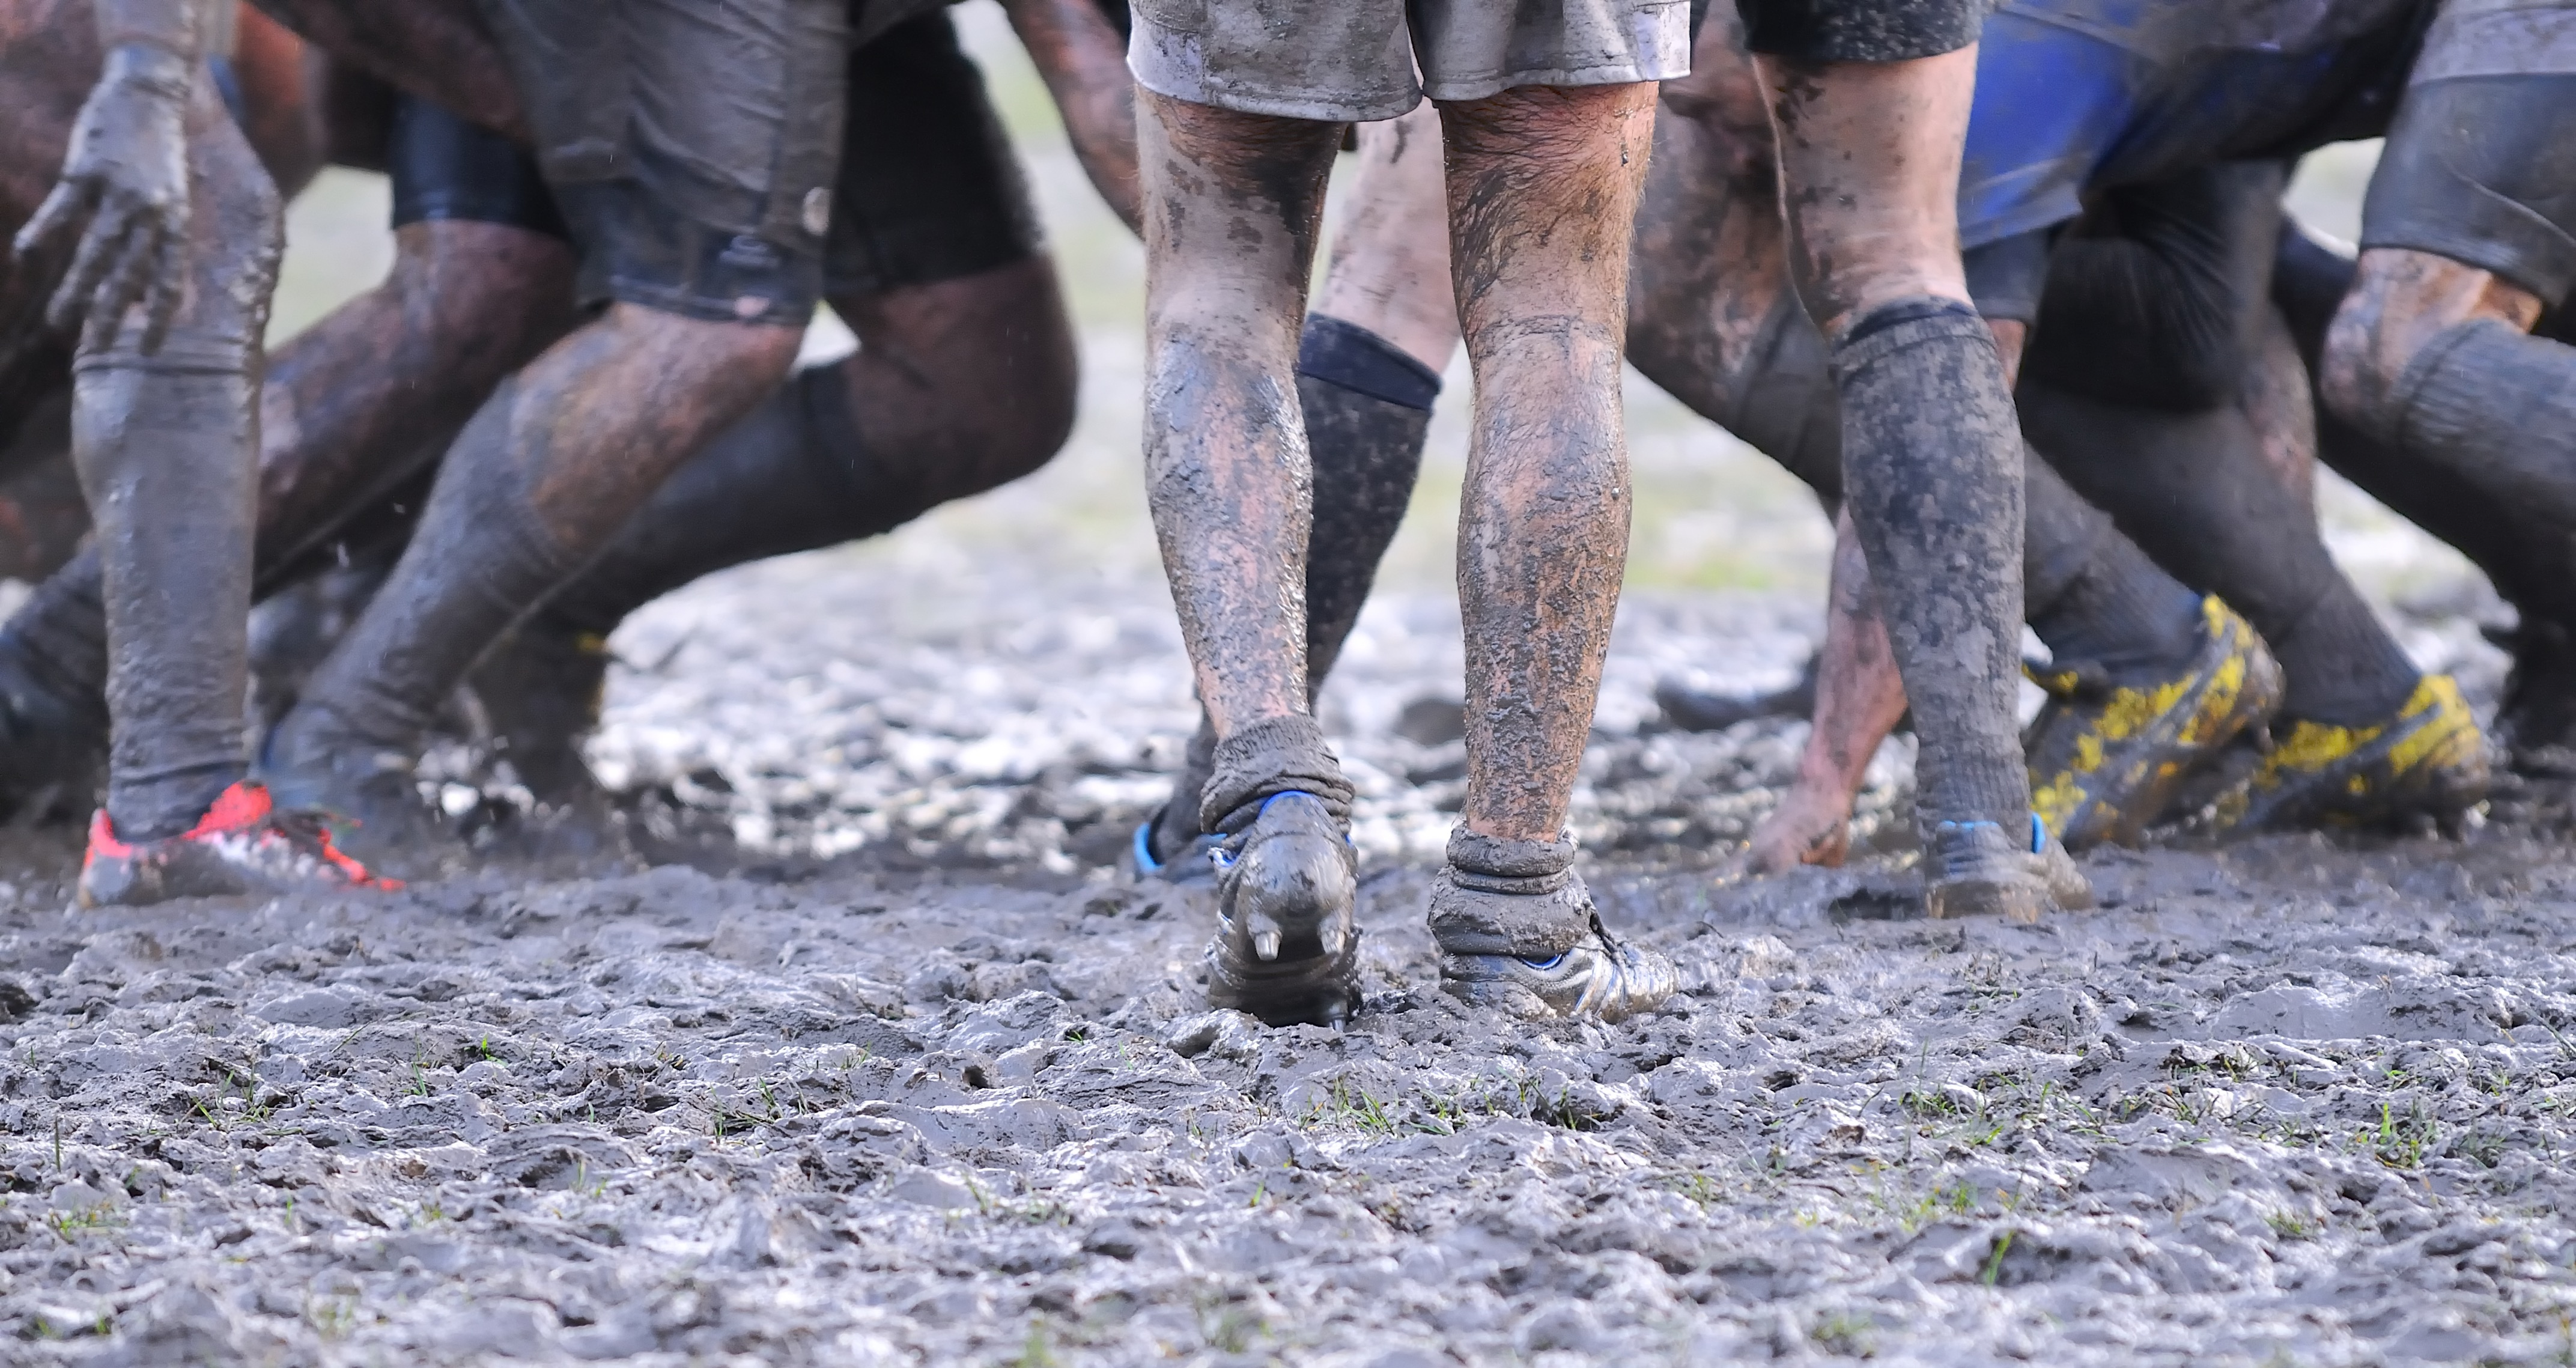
242	845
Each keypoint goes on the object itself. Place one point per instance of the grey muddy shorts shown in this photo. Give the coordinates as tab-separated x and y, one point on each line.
1354	61
2480	166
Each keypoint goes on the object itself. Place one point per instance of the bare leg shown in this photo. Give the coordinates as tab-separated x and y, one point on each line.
1859	700
1543	187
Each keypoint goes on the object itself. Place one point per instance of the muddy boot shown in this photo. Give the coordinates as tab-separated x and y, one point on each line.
1977	869
1286	948
1517	931
2107	754
242	845
2426	763
541	689
364	796
1703	710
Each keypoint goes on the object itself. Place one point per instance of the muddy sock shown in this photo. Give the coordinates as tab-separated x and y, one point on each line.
1932	477
2092	595
482	555
1522	921
167	447
2529	560
795	475
1368	413
1785	404
2193	490
2497	407
1279	755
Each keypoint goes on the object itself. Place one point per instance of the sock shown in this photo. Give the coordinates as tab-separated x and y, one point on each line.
1932	477
2192	489
2092	595
167	450
1368	413
2498	408
482	555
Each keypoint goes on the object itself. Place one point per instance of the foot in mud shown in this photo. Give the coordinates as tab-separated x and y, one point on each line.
2427	763
2107	755
244	844
1978	869
1702	710
541	688
1596	976
365	794
1811	826
1287	946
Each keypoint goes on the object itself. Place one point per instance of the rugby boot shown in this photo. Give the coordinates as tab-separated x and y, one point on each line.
541	688
1568	964
1700	710
1287	943
2428	761
365	794
243	844
1978	869
2107	755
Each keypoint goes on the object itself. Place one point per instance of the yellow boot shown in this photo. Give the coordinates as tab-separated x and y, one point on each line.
2105	759
2430	760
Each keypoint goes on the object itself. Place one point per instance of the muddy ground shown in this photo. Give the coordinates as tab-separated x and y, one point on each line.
884	1063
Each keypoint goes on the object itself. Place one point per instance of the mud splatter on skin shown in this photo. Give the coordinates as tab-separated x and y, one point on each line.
1859	700
1543	188
1233	205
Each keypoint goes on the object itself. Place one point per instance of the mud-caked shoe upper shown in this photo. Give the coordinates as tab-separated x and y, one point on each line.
366	793
2107	755
1518	932
541	688
1978	869
1287	941
2429	762
244	844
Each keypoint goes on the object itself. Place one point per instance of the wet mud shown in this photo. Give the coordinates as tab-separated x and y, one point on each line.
948	1095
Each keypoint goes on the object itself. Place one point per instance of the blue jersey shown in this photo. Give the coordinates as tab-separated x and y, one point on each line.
2078	95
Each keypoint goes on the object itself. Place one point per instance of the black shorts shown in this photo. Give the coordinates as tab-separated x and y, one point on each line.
692	144
1860	30
928	189
444	168
2482	170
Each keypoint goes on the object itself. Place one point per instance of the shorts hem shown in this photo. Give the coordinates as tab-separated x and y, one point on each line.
1271	104
1605	74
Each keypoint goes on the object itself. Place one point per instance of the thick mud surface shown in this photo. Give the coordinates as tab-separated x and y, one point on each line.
922	1094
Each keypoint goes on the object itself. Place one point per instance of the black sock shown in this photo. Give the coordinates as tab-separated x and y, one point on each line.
1932	478
2092	595
2192	489
1368	412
